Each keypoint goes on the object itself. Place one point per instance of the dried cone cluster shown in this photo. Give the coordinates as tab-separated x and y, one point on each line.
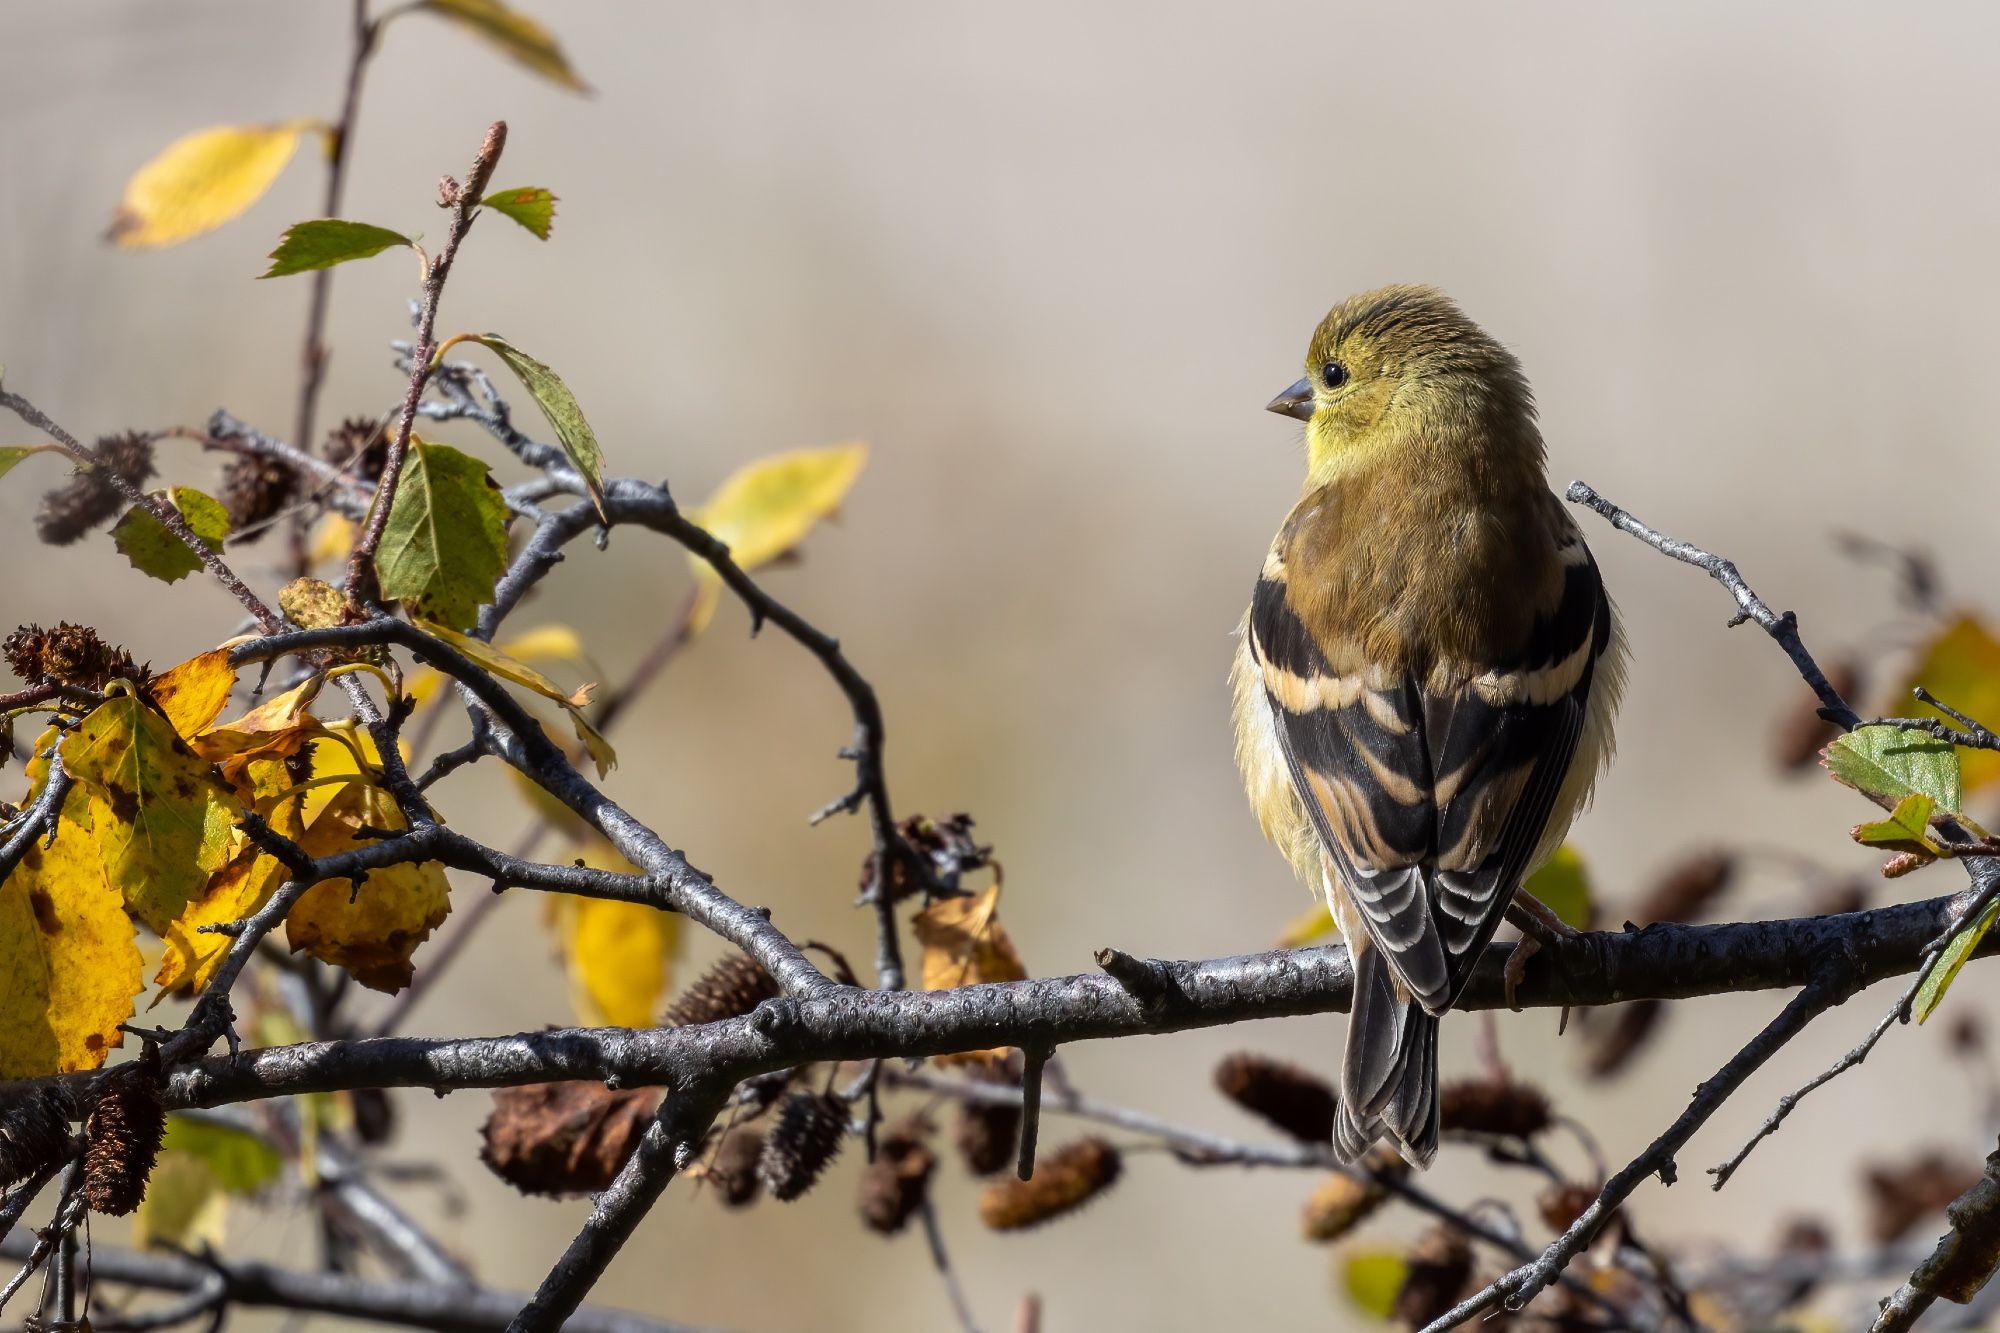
359	446
733	1171
988	1136
1297	1102
33	1136
69	655
1343	1201
1440	1270
122	1137
88	498
808	1135
898	1181
1064	1181
733	987
256	489
1493	1106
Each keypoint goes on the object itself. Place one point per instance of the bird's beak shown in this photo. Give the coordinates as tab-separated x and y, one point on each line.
1296	401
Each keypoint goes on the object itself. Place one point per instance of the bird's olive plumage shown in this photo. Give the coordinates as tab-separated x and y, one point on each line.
1428	669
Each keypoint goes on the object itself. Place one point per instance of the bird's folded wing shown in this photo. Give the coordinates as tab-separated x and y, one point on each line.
1430	795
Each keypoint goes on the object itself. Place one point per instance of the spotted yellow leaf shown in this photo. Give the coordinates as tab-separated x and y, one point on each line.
192	694
158	818
202	181
69	965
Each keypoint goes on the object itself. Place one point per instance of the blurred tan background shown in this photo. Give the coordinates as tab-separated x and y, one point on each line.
1050	260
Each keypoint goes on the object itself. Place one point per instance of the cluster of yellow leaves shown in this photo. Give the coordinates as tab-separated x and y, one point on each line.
964	944
149	833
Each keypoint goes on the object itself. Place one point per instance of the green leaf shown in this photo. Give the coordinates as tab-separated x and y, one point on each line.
531	206
1373	1279
514	34
1943	972
559	405
152	549
446	541
1907	829
11	454
329	241
1563	886
241	1160
1889	764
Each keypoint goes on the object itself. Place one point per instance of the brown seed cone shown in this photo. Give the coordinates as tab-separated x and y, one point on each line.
360	446
564	1138
898	1181
1300	1103
1493	1106
256	489
1440	1269
1562	1203
1632	1027
88	497
733	1171
810	1129
69	654
734	986
122	1137
1902	1195
988	1137
1343	1202
1687	888
34	1134
1803	733
1064	1181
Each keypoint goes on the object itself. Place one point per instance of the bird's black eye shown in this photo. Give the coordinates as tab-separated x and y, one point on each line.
1333	374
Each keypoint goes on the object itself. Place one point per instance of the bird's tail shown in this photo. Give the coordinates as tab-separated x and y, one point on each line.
1388	1077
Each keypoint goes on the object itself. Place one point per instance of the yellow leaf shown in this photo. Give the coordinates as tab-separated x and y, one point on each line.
373	928
1310	927
332	539
202	181
1962	667
193	693
1373	1278
507	668
618	954
234	892
312	603
184	1205
158	818
69	965
262	726
546	643
707	596
767	507
515	34
965	945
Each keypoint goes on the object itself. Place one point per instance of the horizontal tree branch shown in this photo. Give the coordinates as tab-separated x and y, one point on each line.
1660	962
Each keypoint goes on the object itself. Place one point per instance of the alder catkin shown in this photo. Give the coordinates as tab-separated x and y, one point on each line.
988	1134
734	1170
1493	1106
1343	1202
88	498
69	655
122	1137
733	987
1440	1269
256	489
1064	1181
810	1129
897	1182
359	446
1300	1103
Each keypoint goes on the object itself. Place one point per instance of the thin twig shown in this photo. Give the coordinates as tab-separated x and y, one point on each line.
167	516
464	203
941	1260
1516	1288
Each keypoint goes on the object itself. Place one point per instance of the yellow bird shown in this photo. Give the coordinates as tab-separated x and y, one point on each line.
1426	679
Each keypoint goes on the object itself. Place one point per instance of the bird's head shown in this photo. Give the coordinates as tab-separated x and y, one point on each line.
1402	368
